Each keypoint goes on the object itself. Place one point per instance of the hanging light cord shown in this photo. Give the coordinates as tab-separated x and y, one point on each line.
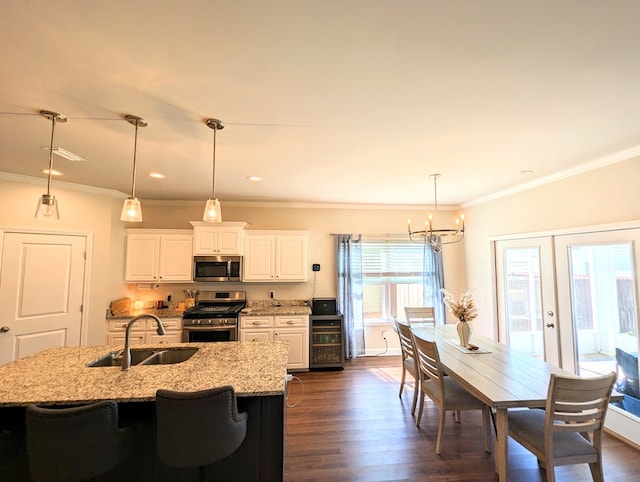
53	129
213	178
135	150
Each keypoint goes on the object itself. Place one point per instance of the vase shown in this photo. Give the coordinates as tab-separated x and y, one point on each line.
464	332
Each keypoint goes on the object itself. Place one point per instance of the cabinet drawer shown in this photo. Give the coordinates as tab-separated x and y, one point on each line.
254	321
297	320
121	325
170	324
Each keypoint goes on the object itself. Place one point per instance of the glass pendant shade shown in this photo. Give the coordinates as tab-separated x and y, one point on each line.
212	211
131	210
47	208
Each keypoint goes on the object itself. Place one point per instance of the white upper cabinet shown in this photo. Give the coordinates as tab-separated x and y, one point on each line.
159	255
217	239
275	256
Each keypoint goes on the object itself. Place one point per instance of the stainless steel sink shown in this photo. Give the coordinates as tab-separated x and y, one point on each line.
169	357
145	357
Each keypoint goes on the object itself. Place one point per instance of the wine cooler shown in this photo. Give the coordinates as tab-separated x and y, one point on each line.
326	343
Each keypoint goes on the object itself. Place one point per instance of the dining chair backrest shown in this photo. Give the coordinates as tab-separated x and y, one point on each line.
424	315
406	343
429	363
577	405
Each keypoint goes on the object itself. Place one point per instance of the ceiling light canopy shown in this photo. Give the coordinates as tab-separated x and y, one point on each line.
47	205
437	237
212	210
131	210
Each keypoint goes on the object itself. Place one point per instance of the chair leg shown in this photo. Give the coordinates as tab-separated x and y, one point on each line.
420	410
443	418
550	471
416	389
404	373
596	471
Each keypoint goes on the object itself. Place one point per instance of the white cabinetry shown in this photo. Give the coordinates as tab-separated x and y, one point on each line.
144	331
293	329
217	239
275	256
159	255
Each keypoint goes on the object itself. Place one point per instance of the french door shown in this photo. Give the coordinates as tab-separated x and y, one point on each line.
526	297
572	299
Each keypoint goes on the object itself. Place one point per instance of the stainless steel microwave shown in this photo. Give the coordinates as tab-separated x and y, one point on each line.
217	268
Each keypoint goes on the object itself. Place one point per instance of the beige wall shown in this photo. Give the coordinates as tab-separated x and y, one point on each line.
602	196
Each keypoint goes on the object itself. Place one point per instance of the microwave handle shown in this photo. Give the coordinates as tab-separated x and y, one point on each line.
229	269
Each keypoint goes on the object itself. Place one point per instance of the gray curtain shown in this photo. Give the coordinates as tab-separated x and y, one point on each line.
349	250
433	266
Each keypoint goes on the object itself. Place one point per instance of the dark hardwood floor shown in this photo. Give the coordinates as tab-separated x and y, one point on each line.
350	425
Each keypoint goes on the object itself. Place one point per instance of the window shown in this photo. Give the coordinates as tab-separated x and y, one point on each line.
394	276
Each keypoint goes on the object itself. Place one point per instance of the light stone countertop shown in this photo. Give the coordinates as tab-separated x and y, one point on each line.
276	308
60	375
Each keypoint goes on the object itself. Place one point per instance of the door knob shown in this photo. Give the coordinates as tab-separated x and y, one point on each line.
4	329
550	325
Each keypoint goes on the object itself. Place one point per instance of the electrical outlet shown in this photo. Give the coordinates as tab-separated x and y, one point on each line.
288	377
384	334
315	267
272	294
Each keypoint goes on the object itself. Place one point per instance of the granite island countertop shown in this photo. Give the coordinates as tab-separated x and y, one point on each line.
61	376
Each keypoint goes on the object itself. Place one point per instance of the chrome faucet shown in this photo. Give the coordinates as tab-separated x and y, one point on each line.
126	354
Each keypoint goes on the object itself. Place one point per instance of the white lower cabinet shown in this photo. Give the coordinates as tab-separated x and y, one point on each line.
293	329
144	331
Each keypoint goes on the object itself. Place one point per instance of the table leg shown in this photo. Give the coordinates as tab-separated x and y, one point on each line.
502	432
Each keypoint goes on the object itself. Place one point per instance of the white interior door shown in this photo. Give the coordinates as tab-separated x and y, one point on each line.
527	297
41	292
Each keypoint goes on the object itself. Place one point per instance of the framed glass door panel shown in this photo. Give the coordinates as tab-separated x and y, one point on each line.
526	297
598	291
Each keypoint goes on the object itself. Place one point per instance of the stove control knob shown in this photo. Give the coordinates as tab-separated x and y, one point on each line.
210	322
196	322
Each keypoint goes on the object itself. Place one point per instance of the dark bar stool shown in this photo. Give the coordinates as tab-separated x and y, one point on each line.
77	443
197	429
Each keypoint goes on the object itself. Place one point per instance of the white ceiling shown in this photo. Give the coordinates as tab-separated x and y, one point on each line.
339	101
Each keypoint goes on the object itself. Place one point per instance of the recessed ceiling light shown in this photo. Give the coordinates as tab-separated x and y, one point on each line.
526	171
64	153
53	172
254	178
156	175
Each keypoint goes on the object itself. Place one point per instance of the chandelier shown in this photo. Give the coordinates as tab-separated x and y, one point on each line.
437	237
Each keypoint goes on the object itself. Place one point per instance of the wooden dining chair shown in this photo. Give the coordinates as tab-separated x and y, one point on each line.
409	361
445	392
423	315
569	430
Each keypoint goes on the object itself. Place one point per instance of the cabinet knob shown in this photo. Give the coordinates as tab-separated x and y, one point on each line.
4	329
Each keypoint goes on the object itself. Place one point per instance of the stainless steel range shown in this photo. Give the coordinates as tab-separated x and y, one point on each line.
214	317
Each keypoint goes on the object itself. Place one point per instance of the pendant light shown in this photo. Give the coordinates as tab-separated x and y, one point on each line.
47	204
131	210
437	237
212	210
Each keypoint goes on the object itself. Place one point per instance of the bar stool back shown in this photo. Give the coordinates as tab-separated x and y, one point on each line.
197	429
77	443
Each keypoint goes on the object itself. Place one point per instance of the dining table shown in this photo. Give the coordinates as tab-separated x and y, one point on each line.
502	377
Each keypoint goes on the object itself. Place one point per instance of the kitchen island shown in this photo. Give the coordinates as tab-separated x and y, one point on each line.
61	376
